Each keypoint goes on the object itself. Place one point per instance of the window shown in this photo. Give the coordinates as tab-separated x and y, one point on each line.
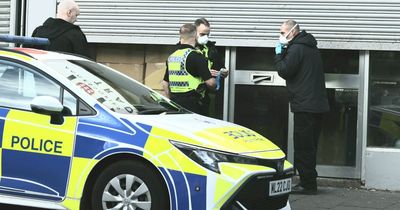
255	58
340	61
262	59
19	85
384	100
117	92
70	103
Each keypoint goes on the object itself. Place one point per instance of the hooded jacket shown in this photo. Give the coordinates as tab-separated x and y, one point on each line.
63	36
300	64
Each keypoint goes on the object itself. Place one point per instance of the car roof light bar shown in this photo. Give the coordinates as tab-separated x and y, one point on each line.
24	39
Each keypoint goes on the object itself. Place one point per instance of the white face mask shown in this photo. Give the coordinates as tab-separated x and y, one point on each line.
283	39
202	40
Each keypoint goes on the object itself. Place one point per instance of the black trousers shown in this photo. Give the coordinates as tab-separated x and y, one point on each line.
307	128
189	102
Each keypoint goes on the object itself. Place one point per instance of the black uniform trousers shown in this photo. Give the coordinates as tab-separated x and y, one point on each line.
307	128
191	102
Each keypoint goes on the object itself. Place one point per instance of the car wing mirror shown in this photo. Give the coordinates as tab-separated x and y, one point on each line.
48	105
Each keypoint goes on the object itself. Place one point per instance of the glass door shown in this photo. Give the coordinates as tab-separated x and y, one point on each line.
383	124
265	110
259	96
338	149
258	100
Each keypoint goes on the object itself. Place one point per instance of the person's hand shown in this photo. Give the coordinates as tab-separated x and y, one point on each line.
214	72
278	48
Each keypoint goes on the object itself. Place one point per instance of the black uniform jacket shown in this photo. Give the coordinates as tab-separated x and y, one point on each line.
213	56
300	64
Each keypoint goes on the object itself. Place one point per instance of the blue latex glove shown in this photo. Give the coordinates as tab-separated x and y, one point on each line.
278	48
218	80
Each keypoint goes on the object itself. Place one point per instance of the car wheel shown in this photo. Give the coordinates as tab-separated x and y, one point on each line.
129	185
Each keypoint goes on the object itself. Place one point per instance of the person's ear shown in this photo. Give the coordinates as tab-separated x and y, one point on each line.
290	35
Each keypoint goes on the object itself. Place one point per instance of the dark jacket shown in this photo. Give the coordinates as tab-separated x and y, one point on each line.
63	37
213	55
300	64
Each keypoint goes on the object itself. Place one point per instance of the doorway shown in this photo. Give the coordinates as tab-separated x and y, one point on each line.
258	100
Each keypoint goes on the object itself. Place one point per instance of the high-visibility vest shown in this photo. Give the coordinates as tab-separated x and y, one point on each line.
180	80
204	51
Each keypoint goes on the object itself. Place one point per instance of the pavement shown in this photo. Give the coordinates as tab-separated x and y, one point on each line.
334	195
346	198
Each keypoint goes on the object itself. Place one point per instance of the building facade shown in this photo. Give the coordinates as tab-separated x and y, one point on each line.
8	18
359	42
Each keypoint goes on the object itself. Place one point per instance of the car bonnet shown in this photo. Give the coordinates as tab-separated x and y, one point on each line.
209	133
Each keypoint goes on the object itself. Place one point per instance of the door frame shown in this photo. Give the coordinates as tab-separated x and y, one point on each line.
359	82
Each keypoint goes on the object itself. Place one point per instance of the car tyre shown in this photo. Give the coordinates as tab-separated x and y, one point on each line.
129	185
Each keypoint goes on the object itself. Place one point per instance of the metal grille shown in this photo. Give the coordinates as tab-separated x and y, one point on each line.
253	195
343	24
5	11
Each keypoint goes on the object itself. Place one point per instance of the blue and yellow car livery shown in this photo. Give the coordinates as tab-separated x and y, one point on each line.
124	149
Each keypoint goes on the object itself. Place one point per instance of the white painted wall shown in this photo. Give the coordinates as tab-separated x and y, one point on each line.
37	11
382	169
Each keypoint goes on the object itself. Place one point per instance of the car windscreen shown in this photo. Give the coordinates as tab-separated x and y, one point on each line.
117	92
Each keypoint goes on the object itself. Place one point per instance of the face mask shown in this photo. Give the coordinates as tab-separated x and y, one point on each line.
283	39
202	40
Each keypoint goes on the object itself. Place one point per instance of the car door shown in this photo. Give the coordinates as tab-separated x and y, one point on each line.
35	153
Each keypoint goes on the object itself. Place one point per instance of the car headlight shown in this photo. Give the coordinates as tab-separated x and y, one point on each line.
209	158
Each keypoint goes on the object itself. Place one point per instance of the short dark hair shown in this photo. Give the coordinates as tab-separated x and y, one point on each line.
200	21
187	31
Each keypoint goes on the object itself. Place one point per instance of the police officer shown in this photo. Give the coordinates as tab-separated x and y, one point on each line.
187	75
215	62
207	47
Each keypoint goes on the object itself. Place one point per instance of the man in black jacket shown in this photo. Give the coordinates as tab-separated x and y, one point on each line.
299	62
63	35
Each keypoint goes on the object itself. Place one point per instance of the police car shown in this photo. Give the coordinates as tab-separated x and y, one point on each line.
76	134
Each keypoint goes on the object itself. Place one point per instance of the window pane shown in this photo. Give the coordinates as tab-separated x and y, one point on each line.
262	59
339	129
118	92
265	110
45	87
251	58
384	100
19	85
70	104
340	61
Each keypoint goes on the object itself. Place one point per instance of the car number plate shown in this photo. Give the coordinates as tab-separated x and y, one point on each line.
279	187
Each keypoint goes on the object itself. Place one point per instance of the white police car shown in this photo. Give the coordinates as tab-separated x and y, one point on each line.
76	134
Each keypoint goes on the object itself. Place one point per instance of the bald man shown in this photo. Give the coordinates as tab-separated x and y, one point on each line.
64	36
298	61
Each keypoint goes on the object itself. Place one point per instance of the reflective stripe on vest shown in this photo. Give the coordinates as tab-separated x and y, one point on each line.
204	51
181	81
